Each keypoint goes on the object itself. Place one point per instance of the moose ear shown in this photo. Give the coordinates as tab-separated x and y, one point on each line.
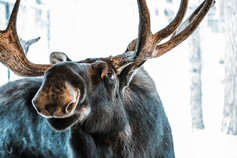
56	57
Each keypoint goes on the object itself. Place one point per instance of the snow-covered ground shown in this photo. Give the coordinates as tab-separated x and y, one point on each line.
205	144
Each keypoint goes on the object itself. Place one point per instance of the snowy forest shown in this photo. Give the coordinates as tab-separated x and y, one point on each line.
196	81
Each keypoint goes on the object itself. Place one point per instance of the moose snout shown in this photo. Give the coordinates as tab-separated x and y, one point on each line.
49	102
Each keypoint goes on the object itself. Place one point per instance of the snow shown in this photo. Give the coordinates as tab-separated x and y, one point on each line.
205	144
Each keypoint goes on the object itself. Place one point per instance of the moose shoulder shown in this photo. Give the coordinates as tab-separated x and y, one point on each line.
98	107
23	132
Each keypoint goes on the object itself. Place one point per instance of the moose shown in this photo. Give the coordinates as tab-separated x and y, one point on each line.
93	108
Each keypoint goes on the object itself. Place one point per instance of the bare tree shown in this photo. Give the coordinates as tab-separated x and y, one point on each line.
195	68
229	122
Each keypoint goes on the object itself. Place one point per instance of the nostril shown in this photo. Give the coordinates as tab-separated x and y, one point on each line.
69	108
51	108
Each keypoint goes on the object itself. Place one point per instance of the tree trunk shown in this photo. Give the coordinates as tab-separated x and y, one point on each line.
229	121
196	82
195	68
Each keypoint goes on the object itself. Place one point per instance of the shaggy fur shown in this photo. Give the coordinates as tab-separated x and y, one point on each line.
24	133
127	119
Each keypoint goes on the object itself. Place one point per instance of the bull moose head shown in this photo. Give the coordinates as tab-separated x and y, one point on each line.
70	90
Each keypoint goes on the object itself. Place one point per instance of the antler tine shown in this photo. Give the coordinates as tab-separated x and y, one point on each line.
189	20
168	30
144	31
141	48
11	52
186	29
143	43
146	42
146	46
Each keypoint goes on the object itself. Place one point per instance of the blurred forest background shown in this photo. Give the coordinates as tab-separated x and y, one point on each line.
197	81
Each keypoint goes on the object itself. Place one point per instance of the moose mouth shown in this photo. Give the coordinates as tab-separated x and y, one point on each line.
67	122
63	123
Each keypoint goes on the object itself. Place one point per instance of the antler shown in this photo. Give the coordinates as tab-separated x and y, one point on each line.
139	50
11	52
146	45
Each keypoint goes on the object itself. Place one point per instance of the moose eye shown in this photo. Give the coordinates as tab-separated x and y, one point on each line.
110	75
